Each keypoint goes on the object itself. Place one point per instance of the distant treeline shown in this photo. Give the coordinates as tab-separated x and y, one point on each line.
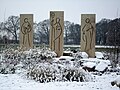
107	32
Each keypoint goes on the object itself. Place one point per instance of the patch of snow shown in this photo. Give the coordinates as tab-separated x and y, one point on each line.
66	58
116	82
118	79
67	52
101	66
84	55
99	55
95	60
89	64
17	82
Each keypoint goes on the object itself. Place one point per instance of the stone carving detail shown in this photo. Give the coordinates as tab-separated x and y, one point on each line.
26	31
56	31
88	34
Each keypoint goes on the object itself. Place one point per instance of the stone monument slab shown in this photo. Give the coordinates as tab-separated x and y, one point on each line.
56	31
26	31
88	30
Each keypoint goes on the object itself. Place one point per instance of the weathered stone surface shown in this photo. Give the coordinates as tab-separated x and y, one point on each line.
26	31
88	30
56	31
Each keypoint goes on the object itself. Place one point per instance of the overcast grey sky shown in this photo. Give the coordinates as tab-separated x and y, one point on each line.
72	8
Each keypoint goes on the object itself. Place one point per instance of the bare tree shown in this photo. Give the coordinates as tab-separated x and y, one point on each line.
74	34
113	39
45	30
66	31
12	25
42	31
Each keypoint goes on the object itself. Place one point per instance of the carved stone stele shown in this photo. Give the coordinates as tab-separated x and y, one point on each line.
56	31
26	31
88	32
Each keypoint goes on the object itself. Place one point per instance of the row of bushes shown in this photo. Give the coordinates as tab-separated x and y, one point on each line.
56	72
40	66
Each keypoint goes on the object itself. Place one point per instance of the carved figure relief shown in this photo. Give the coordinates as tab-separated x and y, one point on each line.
56	28
87	34
26	29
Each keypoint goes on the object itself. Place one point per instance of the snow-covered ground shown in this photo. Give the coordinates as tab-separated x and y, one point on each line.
19	82
24	70
97	46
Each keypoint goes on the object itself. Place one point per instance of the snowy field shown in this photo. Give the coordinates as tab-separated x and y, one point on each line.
18	82
25	70
96	46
